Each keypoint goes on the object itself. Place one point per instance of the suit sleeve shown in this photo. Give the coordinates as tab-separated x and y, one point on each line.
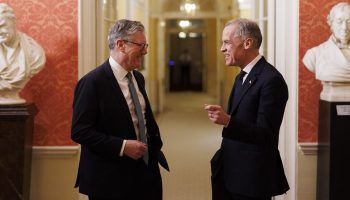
264	129
85	113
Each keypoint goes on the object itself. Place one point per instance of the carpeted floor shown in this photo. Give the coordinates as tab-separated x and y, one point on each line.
190	140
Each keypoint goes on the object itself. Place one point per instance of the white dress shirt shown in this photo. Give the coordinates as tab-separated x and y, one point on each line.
120	74
250	66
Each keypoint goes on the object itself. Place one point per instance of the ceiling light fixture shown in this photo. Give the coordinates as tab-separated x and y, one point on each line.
182	35
184	23
189	6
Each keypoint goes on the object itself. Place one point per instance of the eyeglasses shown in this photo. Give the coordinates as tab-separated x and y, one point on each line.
142	45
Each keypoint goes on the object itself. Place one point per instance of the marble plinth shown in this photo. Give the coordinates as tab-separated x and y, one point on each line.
335	92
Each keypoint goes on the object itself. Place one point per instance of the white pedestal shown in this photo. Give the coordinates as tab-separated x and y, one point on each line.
335	92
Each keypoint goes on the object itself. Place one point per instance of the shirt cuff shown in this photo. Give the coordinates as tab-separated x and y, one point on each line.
121	153
229	119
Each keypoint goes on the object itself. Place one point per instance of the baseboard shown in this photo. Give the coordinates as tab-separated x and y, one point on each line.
55	151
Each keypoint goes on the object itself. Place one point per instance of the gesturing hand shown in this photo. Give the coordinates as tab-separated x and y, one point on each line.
217	114
134	149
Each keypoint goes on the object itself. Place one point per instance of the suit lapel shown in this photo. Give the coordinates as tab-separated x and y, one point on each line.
117	92
250	80
248	83
141	86
150	121
230	99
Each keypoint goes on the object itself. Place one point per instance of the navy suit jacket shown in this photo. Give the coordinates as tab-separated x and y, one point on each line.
249	155
101	121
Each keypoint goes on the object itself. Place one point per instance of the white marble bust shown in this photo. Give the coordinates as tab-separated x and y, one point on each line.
330	61
20	58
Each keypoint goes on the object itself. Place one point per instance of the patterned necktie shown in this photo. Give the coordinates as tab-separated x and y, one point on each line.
239	82
235	90
141	121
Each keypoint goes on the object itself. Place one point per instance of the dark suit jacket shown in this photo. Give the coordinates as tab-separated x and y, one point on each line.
249	155
101	121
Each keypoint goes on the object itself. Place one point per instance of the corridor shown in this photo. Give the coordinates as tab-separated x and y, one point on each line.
190	140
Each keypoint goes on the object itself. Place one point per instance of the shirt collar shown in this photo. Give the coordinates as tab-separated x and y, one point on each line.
118	70
250	66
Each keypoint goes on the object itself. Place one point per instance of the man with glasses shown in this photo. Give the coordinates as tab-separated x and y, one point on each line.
113	122
142	45
248	165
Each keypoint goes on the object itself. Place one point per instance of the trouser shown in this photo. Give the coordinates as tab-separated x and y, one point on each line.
219	191
145	187
150	192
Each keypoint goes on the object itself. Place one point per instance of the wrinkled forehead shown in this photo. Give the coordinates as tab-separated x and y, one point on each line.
228	32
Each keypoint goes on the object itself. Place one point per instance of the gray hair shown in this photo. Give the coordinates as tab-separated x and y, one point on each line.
247	28
338	7
123	29
7	11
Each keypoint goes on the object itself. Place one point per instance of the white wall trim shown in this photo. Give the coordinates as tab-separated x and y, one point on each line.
287	55
86	36
271	28
161	56
308	148
198	15
55	151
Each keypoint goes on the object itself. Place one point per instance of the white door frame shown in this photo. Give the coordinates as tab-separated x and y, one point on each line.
286	61
86	37
282	48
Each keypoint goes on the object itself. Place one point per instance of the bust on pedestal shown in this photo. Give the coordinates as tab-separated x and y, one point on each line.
20	59
330	61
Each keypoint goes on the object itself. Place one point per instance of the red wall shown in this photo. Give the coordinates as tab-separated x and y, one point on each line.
53	24
313	31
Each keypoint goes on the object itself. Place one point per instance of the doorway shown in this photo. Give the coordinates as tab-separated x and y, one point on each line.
287	12
186	62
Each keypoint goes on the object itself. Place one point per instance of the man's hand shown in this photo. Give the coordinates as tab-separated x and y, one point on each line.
217	114
134	149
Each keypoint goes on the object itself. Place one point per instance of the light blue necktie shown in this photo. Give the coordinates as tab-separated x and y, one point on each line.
141	121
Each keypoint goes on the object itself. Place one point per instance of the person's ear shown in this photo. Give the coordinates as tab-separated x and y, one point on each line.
120	45
248	43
